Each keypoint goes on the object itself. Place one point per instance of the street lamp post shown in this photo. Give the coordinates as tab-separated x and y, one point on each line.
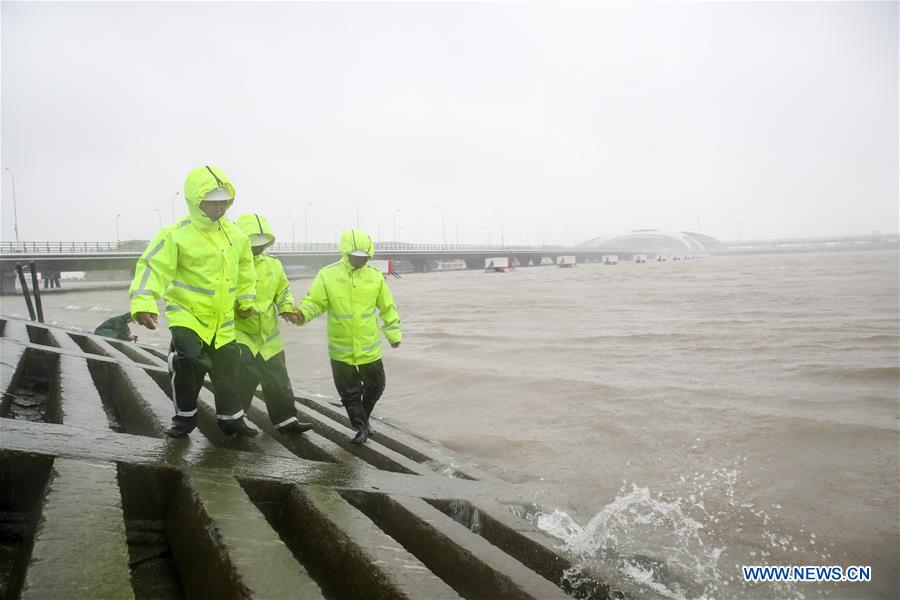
306	222
378	227
543	238
293	237
502	238
158	217
117	230
458	217
15	209
395	224
173	204
443	228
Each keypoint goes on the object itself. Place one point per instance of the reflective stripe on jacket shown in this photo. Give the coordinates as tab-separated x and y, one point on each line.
199	266
350	298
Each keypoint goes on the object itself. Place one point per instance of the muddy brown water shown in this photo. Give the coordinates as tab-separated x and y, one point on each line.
710	413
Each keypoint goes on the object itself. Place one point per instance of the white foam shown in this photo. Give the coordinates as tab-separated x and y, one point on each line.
671	547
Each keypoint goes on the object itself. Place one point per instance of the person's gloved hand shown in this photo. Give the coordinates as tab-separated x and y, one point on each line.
300	318
146	319
395	344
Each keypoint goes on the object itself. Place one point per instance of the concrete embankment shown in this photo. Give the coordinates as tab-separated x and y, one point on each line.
96	502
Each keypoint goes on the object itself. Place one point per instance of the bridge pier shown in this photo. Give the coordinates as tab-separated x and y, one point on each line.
7	282
475	263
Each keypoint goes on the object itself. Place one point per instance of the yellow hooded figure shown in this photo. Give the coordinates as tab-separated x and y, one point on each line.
258	338
200	266
350	296
203	268
259	332
350	291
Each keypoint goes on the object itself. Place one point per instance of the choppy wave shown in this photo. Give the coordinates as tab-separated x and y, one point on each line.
95	309
851	374
675	546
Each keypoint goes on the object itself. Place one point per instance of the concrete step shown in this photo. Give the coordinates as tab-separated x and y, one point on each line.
332	537
96	502
474	567
80	548
230	548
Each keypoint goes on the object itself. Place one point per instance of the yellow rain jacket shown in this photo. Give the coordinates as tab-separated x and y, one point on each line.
199	266
273	294
350	297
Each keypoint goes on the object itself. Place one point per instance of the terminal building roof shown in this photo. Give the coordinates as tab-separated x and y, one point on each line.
655	241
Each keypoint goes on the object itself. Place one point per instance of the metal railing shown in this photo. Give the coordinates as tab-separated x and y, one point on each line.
408	247
64	247
7	247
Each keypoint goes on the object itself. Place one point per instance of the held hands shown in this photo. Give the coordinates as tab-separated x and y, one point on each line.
132	338
248	312
293	317
146	319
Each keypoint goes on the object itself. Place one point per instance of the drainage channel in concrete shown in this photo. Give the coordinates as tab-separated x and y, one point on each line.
96	502
23	484
34	393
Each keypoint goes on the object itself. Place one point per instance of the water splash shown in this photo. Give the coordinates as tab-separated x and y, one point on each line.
652	541
673	546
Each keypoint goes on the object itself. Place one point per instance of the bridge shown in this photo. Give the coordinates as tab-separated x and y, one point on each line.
111	256
122	256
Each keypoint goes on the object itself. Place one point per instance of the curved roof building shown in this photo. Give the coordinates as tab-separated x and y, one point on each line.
655	241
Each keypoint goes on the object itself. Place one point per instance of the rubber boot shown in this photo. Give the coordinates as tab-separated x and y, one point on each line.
295	428
357	415
180	427
368	408
237	428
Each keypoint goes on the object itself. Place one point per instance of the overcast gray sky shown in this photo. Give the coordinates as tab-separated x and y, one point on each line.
583	119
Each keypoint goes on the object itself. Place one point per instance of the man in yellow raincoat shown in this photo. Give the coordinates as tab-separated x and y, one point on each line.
258	338
202	266
350	291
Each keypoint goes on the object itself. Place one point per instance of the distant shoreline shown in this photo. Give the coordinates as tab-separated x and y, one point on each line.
74	285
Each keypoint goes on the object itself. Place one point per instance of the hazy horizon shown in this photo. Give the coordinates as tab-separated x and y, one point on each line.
565	121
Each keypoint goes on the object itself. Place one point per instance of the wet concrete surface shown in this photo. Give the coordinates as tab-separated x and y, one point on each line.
80	548
96	502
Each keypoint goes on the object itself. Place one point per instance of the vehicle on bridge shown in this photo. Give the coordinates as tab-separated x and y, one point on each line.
497	264
566	262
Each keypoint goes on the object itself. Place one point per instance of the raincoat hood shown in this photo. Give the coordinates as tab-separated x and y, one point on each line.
255	225
354	239
198	184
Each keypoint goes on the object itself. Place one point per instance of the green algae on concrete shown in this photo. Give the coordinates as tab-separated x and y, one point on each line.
332	535
80	548
258	563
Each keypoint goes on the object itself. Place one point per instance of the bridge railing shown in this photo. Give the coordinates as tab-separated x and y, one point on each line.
7	247
408	247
